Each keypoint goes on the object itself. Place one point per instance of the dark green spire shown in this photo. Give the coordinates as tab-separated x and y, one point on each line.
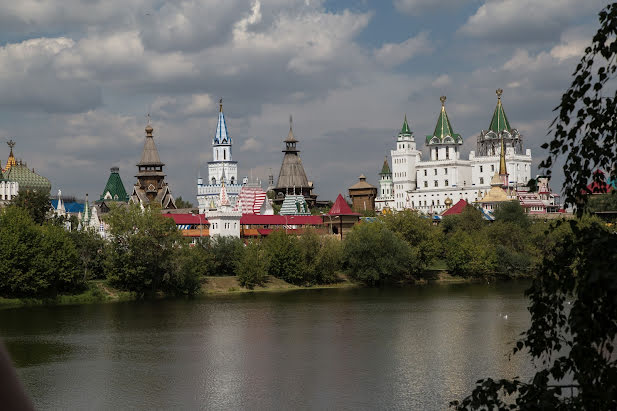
386	167
114	189
499	122
443	128
405	131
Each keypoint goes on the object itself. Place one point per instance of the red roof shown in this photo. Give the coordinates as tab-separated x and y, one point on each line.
256	219
456	208
181	219
341	207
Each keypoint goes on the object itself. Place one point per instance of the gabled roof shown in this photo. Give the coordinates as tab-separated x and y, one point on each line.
385	169
443	128
341	207
456	208
114	187
150	155
221	136
405	131
499	122
188	219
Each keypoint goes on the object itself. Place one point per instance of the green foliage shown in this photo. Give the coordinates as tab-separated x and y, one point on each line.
602	202
470	254
373	254
328	261
253	267
141	250
586	126
532	184
512	212
423	238
284	257
225	253
470	219
180	203
91	252
35	261
36	203
188	271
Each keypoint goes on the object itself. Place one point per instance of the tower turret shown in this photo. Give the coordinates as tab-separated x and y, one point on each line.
444	142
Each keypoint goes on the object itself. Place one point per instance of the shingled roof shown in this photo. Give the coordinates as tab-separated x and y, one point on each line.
292	172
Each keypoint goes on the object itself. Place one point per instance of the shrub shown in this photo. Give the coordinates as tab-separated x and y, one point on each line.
252	269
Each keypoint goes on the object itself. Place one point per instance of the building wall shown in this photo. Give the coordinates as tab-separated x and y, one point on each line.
8	190
224	224
363	199
404	160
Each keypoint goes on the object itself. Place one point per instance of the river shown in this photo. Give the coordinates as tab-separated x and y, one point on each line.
409	348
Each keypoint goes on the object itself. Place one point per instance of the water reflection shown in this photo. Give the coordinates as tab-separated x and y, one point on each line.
363	349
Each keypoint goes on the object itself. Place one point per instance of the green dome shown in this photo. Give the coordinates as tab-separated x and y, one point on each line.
28	179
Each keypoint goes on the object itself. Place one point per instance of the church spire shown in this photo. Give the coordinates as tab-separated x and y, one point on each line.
149	154
443	128
11	160
499	122
221	136
405	131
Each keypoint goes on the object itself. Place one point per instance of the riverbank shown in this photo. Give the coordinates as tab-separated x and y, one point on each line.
100	292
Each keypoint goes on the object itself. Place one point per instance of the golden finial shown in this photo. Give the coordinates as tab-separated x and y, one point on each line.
221	105
443	100
499	92
11	144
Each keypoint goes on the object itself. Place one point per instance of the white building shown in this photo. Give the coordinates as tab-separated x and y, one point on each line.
224	220
8	190
221	167
385	195
425	185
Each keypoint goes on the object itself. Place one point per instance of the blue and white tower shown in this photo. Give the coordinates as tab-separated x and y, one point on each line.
222	167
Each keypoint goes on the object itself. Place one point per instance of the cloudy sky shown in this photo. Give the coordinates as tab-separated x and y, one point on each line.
77	78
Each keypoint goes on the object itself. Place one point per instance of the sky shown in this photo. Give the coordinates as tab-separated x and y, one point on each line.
78	78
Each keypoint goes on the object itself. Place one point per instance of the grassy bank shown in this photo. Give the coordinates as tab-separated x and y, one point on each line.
230	285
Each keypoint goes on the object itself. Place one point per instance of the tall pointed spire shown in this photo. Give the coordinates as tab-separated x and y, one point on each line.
150	154
11	160
385	169
503	172
499	122
221	136
405	131
443	128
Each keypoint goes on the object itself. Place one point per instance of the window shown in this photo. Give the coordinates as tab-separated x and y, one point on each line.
481	180
436	183
224	154
447	153
445	171
492	167
436	153
425	173
446	183
437	202
426	184
480	168
435	170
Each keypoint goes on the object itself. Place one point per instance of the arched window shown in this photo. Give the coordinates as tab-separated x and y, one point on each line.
213	180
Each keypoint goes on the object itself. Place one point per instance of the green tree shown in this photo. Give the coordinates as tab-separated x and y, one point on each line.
422	236
36	203
253	267
188	272
141	249
573	306
91	251
180	203
373	254
470	254
284	257
512	212
328	261
470	219
225	253
36	261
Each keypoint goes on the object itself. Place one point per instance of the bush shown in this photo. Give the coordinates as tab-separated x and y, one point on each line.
373	254
226	253
284	257
252	269
328	261
188	271
470	254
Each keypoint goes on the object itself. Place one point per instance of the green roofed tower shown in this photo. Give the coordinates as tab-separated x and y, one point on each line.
499	122
114	189
444	133
489	141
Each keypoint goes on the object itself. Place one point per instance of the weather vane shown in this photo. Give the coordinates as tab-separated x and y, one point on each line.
443	100
499	92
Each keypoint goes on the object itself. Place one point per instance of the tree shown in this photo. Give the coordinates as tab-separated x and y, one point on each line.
573	306
180	203
252	267
512	212
532	184
328	261
225	253
91	251
36	203
284	257
373	255
190	266
470	254
35	261
422	236
141	249
586	125
470	219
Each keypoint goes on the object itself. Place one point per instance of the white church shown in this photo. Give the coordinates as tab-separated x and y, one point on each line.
221	167
425	185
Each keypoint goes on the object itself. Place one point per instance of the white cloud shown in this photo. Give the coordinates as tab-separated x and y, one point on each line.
526	21
251	144
442	81
393	54
416	7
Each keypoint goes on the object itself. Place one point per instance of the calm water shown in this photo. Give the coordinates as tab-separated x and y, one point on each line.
414	348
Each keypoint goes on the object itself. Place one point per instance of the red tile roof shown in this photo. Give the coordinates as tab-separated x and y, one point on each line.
341	207
256	219
456	208
187	218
